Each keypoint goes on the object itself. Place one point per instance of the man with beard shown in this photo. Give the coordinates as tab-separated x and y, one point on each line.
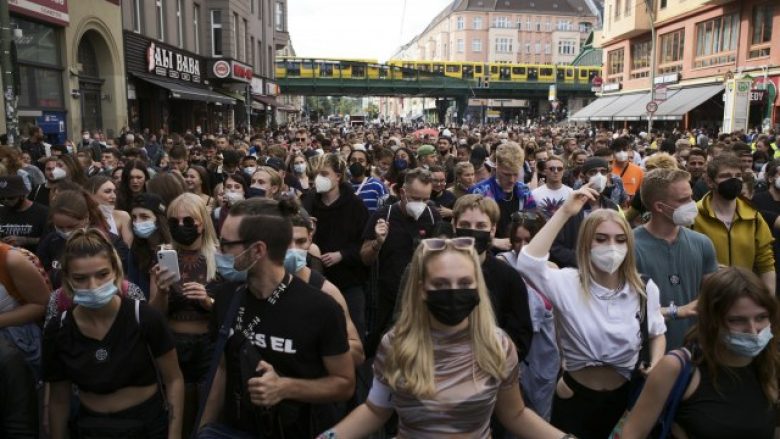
22	222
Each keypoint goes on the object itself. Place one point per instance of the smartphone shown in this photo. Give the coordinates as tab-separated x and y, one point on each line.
169	259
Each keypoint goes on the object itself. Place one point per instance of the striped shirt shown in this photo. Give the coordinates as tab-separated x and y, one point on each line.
370	190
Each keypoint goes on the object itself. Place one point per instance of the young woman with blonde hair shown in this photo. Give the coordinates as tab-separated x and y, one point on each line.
599	306
444	348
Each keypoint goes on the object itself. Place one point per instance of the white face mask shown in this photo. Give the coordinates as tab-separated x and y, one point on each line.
415	208
322	184
58	174
249	170
621	156
300	168
85	137
233	197
598	182
686	214
608	258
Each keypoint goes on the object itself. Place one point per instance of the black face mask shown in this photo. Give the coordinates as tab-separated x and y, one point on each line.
255	192
730	189
184	234
357	170
481	238
451	307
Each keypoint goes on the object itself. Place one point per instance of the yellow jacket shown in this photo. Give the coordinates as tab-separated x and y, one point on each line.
747	244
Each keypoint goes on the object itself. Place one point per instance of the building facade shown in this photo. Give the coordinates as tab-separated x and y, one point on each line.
510	31
69	67
207	63
701	48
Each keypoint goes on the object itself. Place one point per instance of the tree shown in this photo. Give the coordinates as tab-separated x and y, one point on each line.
372	110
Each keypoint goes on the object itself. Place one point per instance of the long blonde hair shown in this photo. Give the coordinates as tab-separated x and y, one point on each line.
194	206
627	270
410	364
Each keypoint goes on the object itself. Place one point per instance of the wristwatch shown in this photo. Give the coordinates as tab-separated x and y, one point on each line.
330	434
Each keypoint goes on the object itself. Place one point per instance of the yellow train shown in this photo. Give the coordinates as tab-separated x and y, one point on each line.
405	69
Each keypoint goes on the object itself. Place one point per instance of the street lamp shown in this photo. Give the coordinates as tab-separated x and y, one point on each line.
651	12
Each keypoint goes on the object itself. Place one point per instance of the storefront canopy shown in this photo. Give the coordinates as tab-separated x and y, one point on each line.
616	107
268	101
686	99
179	91
585	113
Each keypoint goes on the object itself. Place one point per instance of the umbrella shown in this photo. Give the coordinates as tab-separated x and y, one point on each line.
430	132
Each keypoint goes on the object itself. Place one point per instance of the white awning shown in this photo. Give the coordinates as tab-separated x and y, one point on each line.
594	107
613	110
685	100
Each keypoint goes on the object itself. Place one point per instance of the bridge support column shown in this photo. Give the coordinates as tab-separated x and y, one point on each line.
461	104
441	110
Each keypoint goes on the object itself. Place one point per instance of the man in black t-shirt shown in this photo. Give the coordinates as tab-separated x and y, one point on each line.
287	353
390	238
22	222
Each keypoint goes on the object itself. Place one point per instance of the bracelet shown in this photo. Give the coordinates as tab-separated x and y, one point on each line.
672	311
329	434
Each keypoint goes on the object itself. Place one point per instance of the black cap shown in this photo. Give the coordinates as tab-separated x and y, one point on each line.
594	162
148	200
12	186
275	162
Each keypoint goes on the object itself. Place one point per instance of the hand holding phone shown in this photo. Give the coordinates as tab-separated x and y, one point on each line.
168	259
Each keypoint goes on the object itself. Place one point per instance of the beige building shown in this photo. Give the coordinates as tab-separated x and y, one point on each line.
507	31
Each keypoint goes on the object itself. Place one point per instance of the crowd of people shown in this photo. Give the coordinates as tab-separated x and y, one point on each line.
327	282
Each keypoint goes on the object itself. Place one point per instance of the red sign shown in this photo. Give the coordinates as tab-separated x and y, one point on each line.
241	72
52	11
221	69
597	81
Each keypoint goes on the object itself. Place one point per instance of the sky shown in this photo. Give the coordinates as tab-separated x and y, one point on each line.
364	29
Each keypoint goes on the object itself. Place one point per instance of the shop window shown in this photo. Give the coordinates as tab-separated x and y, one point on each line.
671	52
640	59
38	43
40	88
716	41
761	30
615	62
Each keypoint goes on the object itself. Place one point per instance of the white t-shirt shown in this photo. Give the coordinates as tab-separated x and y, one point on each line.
549	200
597	328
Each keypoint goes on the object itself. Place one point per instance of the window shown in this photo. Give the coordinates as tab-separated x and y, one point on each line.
671	52
160	7
567	47
459	24
196	26
259	65
615	60
662	4
501	22
528	48
280	25
179	23
627	11
476	45
547	48
461	46
137	16
538	26
617	9
585	27
761	33
251	53
538	48
716	41
252	6
246	37
477	23
548	25
640	59
528	24
216	32
503	45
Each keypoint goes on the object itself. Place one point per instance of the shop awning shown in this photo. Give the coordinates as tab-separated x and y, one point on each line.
179	91
613	110
257	106
288	108
268	101
686	99
585	113
233	94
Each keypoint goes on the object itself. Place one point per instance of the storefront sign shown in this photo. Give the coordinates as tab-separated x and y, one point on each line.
671	78
257	86
240	72
757	96
52	11
171	64
271	89
736	111
221	69
612	86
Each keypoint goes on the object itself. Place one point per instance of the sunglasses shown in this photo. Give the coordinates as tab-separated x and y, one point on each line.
555	168
522	217
187	221
224	243
439	244
301	139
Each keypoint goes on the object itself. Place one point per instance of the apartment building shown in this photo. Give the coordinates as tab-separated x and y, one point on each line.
202	62
701	48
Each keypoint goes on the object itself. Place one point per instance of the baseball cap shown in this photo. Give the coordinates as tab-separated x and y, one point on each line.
12	186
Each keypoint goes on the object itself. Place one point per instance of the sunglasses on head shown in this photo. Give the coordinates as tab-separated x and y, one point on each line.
187	221
522	217
439	244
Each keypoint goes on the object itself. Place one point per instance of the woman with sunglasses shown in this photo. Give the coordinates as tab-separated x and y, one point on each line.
187	302
111	348
600	307
445	347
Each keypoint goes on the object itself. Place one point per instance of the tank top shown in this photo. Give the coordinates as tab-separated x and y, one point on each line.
736	409
108	214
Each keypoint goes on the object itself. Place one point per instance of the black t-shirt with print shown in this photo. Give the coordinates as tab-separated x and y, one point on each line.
292	330
29	223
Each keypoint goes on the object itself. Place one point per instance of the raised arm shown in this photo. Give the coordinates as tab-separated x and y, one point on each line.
540	245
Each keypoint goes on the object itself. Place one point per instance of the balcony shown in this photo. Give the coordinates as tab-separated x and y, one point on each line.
281	37
624	27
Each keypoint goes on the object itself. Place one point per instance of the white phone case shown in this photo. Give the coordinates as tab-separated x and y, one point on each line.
170	260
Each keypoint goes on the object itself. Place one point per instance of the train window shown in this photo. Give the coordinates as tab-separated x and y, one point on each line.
453	68
504	75
583	73
569	73
493	69
438	68
326	69
468	72
560	74
533	73
478	69
545	71
293	68
518	70
358	71
424	67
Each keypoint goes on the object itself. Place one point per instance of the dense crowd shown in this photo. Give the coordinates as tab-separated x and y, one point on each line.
390	280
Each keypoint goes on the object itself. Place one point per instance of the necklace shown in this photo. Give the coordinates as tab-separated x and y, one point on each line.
511	196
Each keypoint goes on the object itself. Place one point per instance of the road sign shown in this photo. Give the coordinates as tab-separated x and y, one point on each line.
661	91
651	107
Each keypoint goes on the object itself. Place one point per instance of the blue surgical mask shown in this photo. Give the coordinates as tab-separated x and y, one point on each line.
748	345
144	229
227	270
95	298
294	260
